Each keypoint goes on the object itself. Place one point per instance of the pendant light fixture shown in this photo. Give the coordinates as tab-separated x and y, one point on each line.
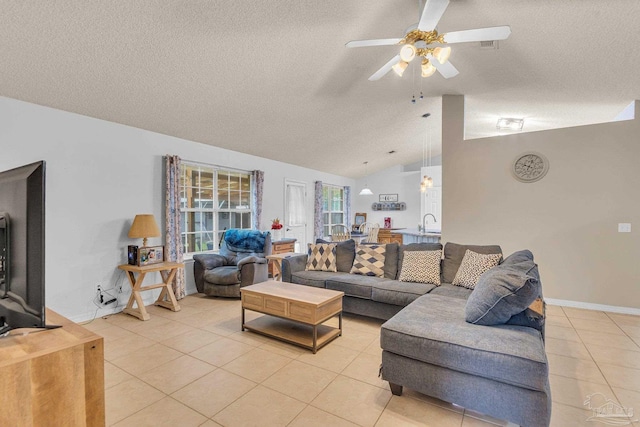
427	181
366	191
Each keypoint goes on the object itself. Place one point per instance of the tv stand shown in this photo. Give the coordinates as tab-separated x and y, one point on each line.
53	377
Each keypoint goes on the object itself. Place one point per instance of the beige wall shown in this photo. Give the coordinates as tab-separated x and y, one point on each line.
569	219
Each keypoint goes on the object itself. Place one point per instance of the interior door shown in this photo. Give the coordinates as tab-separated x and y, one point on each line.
295	212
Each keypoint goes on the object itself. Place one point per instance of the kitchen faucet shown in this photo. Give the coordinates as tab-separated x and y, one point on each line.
424	221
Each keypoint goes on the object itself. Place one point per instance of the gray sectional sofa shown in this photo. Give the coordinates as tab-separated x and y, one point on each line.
429	345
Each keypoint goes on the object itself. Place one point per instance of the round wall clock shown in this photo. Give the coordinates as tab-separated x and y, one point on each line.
530	167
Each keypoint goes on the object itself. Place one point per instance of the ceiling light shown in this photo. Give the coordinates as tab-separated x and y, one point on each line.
400	67
408	52
505	123
442	54
427	181
366	191
427	68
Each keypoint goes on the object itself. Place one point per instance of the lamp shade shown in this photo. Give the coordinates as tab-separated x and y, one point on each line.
144	226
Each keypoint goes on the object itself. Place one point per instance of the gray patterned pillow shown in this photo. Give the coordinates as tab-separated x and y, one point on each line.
369	260
472	266
321	257
421	267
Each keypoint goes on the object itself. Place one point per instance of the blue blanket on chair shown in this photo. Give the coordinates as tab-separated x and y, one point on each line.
245	240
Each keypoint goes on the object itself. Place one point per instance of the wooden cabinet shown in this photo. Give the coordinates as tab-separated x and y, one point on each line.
386	235
53	377
280	247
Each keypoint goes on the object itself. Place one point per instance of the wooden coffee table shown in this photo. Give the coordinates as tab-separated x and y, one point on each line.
296	313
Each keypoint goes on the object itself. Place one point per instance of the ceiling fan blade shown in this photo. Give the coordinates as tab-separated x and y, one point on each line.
447	69
478	35
374	42
431	14
385	68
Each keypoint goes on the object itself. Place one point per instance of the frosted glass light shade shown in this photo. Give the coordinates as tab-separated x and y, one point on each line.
442	54
400	67
428	69
408	52
366	192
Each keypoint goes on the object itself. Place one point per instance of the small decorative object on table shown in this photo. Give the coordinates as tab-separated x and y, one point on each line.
276	229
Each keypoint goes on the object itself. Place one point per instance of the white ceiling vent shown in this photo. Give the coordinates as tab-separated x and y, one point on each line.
489	44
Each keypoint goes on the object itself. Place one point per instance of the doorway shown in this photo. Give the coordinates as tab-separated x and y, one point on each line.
295	212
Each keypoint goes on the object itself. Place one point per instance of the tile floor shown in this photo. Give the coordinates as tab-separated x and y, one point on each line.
196	368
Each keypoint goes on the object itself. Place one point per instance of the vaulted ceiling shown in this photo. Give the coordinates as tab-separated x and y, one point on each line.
274	79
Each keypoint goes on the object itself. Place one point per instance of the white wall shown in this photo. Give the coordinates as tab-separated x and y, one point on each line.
390	181
569	219
99	176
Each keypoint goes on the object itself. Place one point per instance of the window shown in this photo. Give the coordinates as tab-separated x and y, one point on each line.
212	200
332	207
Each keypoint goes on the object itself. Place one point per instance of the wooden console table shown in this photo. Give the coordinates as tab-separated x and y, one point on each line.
52	377
166	299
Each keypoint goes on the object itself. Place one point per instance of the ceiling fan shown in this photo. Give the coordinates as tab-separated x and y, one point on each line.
420	40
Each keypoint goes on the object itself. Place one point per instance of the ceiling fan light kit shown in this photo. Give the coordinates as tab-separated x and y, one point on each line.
418	41
400	67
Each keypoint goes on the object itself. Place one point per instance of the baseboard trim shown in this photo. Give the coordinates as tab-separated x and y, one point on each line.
591	306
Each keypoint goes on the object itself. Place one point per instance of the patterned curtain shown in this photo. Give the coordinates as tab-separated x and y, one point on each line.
347	206
318	223
256	198
173	248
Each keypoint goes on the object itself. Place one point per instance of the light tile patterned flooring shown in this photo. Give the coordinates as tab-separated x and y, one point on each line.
196	368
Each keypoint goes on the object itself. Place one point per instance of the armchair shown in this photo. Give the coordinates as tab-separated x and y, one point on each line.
240	262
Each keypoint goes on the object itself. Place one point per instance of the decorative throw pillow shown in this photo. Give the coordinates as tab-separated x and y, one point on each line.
504	292
321	257
369	260
421	267
472	266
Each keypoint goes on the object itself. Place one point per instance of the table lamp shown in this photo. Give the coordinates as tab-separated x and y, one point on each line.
144	226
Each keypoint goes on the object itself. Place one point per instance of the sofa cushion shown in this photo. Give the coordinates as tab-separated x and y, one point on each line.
227	275
353	285
503	292
421	267
432	329
345	253
473	266
448	290
453	254
321	257
369	260
391	263
312	278
398	293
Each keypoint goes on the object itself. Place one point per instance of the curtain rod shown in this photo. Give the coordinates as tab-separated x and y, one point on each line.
193	162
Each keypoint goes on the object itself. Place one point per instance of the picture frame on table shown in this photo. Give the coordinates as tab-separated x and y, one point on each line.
361	218
148	255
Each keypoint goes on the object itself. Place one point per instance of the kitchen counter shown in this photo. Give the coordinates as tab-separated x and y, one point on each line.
412	235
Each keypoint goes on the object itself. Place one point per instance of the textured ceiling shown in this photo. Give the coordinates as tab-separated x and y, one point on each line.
273	78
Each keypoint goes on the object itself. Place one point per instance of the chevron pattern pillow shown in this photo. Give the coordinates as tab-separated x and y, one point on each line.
421	267
321	257
369	260
472	266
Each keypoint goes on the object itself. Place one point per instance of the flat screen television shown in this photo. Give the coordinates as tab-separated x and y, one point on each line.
22	247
